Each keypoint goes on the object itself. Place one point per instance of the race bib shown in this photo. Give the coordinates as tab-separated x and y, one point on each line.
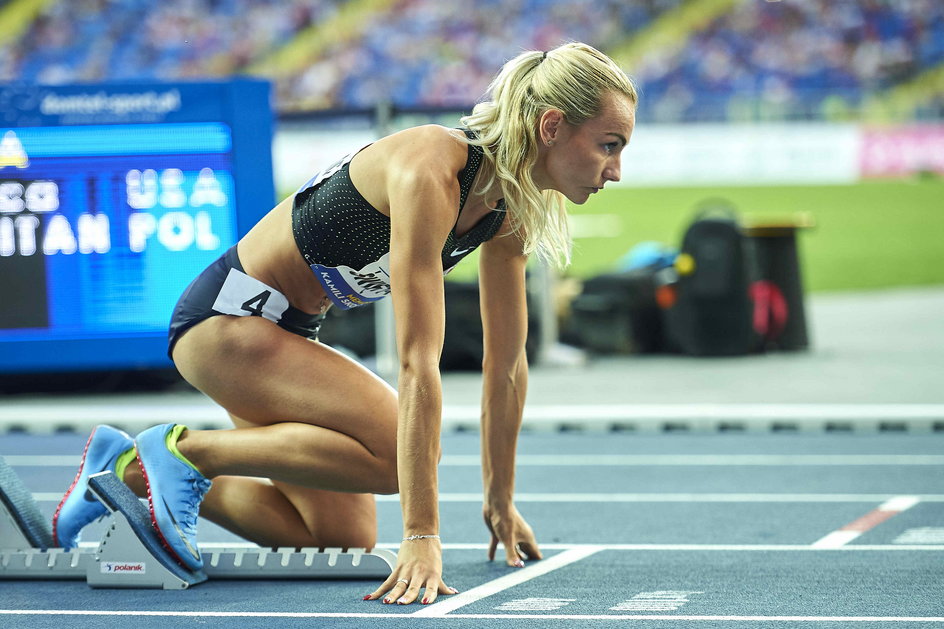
246	296
349	288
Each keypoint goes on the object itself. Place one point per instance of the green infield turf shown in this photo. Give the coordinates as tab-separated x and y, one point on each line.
869	235
866	235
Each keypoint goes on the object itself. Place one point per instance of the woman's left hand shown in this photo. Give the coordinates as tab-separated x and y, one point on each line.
508	527
418	571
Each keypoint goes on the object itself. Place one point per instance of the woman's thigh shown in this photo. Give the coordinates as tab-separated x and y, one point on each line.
264	375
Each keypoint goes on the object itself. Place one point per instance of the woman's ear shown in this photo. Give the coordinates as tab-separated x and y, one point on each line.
549	126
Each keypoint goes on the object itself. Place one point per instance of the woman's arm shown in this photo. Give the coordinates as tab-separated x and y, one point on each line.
423	197
505	372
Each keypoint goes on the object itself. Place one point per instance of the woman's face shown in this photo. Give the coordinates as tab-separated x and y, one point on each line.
581	159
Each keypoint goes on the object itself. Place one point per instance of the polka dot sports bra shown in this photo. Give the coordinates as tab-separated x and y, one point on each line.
346	241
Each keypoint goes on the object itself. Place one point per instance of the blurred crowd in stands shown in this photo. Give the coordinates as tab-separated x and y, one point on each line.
94	40
769	59
434	53
794	58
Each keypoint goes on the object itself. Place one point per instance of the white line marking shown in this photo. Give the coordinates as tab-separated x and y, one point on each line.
613	460
534	569
849	532
698	460
511	617
534	604
626	547
835	539
659	601
616	460
899	503
702	547
620	498
677	497
923	535
192	614
506	617
747	412
42	460
142	413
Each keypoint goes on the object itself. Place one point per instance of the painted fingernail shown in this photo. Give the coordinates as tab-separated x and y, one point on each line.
519	564
425	601
367	598
387	601
454	590
401	600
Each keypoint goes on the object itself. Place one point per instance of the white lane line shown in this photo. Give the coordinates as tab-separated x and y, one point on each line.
510	617
141	412
676	497
573	413
804	548
506	617
895	546
888	509
42	460
835	539
621	498
534	569
698	460
615	460
190	614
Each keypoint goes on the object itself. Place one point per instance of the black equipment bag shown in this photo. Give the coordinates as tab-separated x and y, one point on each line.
616	313
713	314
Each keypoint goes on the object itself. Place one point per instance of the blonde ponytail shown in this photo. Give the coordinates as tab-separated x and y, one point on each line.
571	78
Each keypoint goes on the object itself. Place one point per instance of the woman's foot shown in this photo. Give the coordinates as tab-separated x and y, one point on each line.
175	489
78	507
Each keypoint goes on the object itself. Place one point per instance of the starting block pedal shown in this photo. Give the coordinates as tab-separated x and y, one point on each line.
26	543
23	525
130	555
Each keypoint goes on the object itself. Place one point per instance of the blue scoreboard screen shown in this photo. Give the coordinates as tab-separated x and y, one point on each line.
112	199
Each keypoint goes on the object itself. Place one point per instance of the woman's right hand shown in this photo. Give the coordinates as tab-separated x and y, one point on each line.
508	527
418	569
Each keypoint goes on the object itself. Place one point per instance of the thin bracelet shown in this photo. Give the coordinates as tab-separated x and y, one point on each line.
413	538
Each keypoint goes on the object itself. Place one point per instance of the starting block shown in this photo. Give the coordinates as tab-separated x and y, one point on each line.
130	554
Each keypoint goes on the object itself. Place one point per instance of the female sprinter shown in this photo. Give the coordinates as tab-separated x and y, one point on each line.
316	434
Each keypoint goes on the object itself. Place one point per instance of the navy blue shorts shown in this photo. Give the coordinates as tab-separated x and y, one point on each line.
224	288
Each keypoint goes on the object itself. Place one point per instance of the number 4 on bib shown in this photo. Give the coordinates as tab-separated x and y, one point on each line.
255	305
266	302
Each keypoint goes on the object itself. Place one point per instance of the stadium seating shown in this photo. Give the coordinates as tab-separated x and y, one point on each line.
754	60
792	59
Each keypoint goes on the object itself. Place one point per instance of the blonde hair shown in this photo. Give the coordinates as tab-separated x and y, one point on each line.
572	78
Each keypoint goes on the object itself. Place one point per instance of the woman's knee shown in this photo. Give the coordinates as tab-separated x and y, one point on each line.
388	483
384	471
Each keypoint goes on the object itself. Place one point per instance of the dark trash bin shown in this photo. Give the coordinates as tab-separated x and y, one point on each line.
777	265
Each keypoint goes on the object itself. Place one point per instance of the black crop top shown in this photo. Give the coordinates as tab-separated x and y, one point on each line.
346	241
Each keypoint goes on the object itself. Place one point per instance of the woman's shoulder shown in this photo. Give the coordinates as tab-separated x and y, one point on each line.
428	157
430	146
433	133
